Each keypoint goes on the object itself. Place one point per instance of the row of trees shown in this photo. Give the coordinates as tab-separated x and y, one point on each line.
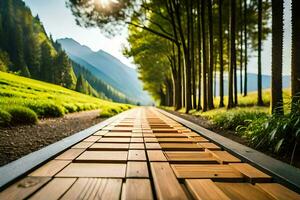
180	45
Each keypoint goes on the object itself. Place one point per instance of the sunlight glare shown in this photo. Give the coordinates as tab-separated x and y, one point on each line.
105	3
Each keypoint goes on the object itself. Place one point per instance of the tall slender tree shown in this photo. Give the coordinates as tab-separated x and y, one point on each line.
246	49
277	42
295	51
199	107
220	24
210	100
232	52
204	57
259	76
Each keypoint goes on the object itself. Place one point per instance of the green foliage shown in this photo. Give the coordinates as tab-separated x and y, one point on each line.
278	134
48	100
5	118
110	111
21	115
236	117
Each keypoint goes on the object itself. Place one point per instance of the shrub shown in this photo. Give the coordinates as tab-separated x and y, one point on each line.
22	115
47	109
277	134
5	118
110	111
235	118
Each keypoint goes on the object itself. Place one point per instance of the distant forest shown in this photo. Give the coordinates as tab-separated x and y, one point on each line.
26	50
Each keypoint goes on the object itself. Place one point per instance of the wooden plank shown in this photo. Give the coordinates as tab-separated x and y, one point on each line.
224	157
191	134
95	188
151	139
193	156
166	135
175	140
165	183
253	174
23	188
137	170
70	154
94	170
109	146
102	156
164	131
242	191
100	133
180	147
136	146
278	191
56	187
137	189
212	171
137	155
205	189
114	139
92	138
199	139
137	140
50	168
209	145
156	155
153	146
148	135
117	134
82	145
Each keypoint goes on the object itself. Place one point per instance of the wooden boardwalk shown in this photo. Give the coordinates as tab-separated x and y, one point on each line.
145	155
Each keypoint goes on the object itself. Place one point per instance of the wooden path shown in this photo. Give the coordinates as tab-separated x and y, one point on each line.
146	155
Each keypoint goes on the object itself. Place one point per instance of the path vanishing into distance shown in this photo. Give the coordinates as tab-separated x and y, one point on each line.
142	153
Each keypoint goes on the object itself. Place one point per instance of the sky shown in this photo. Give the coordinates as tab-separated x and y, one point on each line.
59	21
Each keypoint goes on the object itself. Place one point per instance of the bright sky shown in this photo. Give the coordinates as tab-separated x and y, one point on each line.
59	21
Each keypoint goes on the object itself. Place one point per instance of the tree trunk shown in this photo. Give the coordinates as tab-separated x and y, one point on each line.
193	55
241	47
259	77
277	42
199	107
232	53
178	97
204	59
210	99
220	24
295	52
246	49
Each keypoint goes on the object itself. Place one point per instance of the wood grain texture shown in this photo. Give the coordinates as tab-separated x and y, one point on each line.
23	188
54	189
137	170
205	189
156	155
209	145
50	168
153	146
192	156
206	171
165	182
109	146
278	191
253	174
180	147
137	155
244	191
102	156
224	157
95	188
82	145
70	154
137	189
94	170
114	139
136	146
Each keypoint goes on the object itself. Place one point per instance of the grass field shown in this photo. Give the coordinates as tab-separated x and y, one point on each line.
24	100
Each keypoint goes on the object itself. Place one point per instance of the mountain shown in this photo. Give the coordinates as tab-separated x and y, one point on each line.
252	82
107	68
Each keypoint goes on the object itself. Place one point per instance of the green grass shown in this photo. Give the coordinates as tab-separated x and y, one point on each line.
30	96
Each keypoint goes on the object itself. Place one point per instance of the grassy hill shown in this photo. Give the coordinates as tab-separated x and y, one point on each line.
23	100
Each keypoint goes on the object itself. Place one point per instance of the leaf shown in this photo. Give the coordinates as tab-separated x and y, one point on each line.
272	134
297	133
278	145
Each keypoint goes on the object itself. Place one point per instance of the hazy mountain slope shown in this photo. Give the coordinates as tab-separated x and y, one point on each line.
107	68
